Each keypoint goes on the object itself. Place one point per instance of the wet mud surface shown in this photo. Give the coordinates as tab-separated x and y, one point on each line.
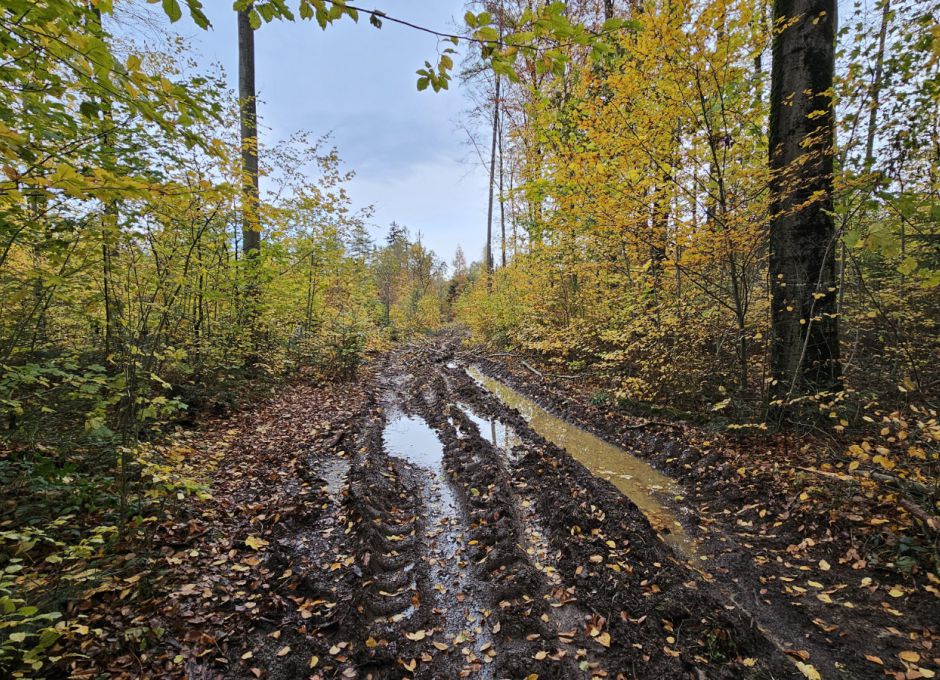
798	576
449	516
509	558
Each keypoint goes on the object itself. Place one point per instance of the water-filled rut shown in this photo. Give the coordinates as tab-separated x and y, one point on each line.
636	479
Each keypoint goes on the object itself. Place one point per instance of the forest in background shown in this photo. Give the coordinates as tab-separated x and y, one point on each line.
630	207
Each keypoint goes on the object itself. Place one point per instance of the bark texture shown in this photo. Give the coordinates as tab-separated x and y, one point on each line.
251	229
805	328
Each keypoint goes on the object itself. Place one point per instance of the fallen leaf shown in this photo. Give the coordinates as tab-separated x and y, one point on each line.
255	542
808	670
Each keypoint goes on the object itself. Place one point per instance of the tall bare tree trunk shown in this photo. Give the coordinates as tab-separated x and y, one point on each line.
251	229
876	84
489	210
502	201
804	351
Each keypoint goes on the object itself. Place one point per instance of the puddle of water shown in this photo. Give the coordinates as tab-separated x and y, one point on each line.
333	473
636	479
414	440
495	431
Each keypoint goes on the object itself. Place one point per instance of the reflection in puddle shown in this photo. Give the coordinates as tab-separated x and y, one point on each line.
493	430
333	473
636	479
412	438
446	536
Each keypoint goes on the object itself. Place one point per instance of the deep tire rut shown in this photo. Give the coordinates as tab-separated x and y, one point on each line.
517	565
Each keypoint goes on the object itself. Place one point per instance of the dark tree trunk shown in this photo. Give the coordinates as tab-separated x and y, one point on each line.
251	229
805	331
489	210
502	202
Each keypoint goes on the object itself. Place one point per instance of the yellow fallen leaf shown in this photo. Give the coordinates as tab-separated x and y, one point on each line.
910	656
824	565
247	655
604	639
896	592
283	651
875	659
314	660
750	662
440	646
371	643
409	665
540	655
255	542
417	636
808	670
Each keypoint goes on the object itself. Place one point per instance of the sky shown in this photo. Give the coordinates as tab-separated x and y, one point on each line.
411	159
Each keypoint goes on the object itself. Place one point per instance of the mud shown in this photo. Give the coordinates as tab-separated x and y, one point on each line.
484	550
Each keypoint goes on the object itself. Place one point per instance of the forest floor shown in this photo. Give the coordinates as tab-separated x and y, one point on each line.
411	524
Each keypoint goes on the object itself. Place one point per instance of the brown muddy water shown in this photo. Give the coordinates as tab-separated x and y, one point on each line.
635	478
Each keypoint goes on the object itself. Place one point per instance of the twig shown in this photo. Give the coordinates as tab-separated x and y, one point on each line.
652	423
551	375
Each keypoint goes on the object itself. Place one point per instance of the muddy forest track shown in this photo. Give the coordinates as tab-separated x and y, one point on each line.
427	521
476	560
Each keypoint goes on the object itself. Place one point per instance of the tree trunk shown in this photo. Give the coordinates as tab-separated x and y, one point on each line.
805	331
502	204
251	229
489	210
876	84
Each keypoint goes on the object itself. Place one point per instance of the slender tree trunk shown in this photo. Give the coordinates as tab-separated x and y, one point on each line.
489	210
502	203
251	229
110	216
608	9
804	351
876	84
